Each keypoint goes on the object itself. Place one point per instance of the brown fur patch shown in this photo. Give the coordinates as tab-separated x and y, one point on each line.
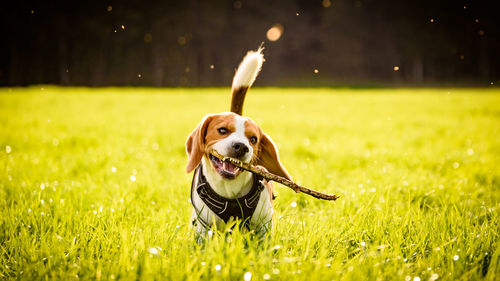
225	120
237	100
206	134
253	130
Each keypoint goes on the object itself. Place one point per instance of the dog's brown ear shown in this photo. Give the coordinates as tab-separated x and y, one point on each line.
195	144
269	159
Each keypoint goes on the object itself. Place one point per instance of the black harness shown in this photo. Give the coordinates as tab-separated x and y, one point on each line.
225	208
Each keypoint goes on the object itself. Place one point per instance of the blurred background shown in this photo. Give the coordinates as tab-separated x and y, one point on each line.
200	43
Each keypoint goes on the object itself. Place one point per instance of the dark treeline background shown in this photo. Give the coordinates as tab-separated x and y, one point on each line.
201	42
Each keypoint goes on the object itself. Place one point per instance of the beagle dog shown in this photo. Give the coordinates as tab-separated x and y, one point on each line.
220	191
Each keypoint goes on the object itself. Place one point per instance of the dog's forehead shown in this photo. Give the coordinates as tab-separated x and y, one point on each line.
234	122
251	127
223	119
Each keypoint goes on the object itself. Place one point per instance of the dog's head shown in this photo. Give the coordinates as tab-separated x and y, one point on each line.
234	136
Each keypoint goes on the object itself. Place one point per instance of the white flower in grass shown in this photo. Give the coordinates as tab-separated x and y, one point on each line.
293	204
132	178
247	276
416	278
434	276
113	169
266	276
456	257
217	267
154	251
8	149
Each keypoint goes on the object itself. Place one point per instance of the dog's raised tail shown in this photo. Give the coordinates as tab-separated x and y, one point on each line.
243	79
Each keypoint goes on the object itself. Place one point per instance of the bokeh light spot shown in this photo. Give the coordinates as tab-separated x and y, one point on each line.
326	3
396	68
181	40
148	38
274	33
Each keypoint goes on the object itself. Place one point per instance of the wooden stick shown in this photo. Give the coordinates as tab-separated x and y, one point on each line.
269	176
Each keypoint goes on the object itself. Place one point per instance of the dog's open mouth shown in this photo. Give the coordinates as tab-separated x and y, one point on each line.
224	168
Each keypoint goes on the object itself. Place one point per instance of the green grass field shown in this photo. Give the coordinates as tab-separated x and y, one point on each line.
92	185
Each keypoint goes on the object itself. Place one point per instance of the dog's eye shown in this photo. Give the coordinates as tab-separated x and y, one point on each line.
253	140
222	131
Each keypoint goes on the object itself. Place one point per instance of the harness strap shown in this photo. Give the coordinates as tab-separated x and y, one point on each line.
198	212
226	208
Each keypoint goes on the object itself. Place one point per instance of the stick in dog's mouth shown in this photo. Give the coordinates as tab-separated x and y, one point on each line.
224	168
268	176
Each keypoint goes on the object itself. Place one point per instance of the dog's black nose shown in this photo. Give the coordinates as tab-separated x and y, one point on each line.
238	149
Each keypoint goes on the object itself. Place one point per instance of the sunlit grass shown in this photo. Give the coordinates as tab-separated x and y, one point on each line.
93	185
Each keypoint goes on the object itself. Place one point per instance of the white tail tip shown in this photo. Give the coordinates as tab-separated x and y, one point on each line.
249	69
